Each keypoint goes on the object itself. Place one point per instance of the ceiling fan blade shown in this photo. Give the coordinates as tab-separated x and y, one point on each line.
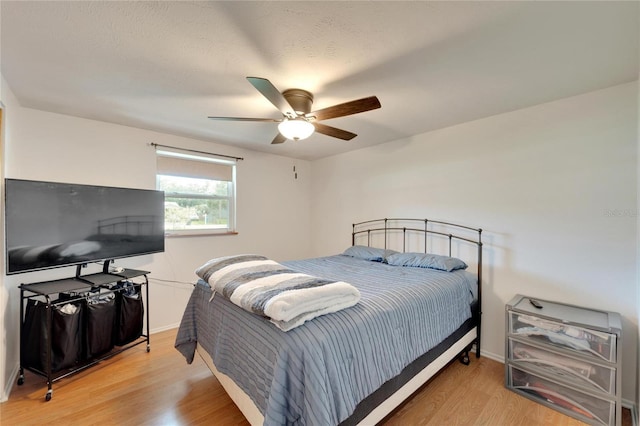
334	132
269	120
347	108
274	96
278	139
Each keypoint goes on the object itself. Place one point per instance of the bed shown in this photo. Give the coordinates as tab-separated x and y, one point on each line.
416	312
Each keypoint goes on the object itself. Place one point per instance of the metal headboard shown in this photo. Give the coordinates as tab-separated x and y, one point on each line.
426	228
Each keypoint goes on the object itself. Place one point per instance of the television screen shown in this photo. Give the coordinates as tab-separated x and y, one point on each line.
49	224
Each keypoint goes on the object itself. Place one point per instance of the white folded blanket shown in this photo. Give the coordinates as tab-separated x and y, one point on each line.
267	288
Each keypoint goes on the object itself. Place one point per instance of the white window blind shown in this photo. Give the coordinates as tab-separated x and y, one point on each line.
199	192
194	168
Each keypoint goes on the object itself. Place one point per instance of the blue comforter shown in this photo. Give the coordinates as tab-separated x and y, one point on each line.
317	373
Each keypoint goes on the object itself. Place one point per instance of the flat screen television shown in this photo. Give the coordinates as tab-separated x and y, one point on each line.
51	224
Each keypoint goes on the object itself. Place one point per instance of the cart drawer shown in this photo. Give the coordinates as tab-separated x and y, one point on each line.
576	372
571	401
594	344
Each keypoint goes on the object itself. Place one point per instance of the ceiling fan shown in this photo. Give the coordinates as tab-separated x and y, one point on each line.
298	121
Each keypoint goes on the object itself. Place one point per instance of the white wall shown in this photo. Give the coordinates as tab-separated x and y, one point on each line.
273	214
9	104
553	186
638	253
3	298
637	401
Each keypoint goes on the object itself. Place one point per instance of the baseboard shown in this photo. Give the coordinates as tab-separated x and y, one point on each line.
13	377
490	355
165	328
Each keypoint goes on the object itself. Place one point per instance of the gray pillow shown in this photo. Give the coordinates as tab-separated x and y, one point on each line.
422	260
368	253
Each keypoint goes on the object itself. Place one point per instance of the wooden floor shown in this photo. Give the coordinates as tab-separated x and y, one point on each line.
160	388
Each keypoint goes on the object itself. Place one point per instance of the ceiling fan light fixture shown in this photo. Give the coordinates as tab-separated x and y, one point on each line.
296	129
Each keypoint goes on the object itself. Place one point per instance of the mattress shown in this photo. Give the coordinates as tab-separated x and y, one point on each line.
326	370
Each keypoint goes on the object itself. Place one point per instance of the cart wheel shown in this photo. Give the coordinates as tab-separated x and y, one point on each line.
20	380
48	395
148	348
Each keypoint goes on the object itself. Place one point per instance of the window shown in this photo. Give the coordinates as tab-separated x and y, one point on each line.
199	193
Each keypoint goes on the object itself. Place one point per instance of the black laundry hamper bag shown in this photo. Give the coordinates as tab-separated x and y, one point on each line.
66	336
130	317
100	320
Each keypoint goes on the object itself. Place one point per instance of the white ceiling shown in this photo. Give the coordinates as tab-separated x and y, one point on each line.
166	66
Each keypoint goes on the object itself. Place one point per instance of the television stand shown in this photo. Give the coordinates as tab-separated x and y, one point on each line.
105	268
94	317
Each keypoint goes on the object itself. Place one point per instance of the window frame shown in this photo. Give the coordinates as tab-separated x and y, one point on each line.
232	198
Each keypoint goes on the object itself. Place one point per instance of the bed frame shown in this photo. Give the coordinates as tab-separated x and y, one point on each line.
431	233
414	233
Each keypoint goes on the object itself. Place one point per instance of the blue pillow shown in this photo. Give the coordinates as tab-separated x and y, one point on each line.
422	260
368	253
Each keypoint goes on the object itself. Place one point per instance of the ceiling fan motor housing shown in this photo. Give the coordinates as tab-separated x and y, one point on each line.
300	100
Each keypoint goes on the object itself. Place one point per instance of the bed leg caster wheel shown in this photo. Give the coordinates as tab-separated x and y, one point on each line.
148	348
48	396
21	380
464	358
